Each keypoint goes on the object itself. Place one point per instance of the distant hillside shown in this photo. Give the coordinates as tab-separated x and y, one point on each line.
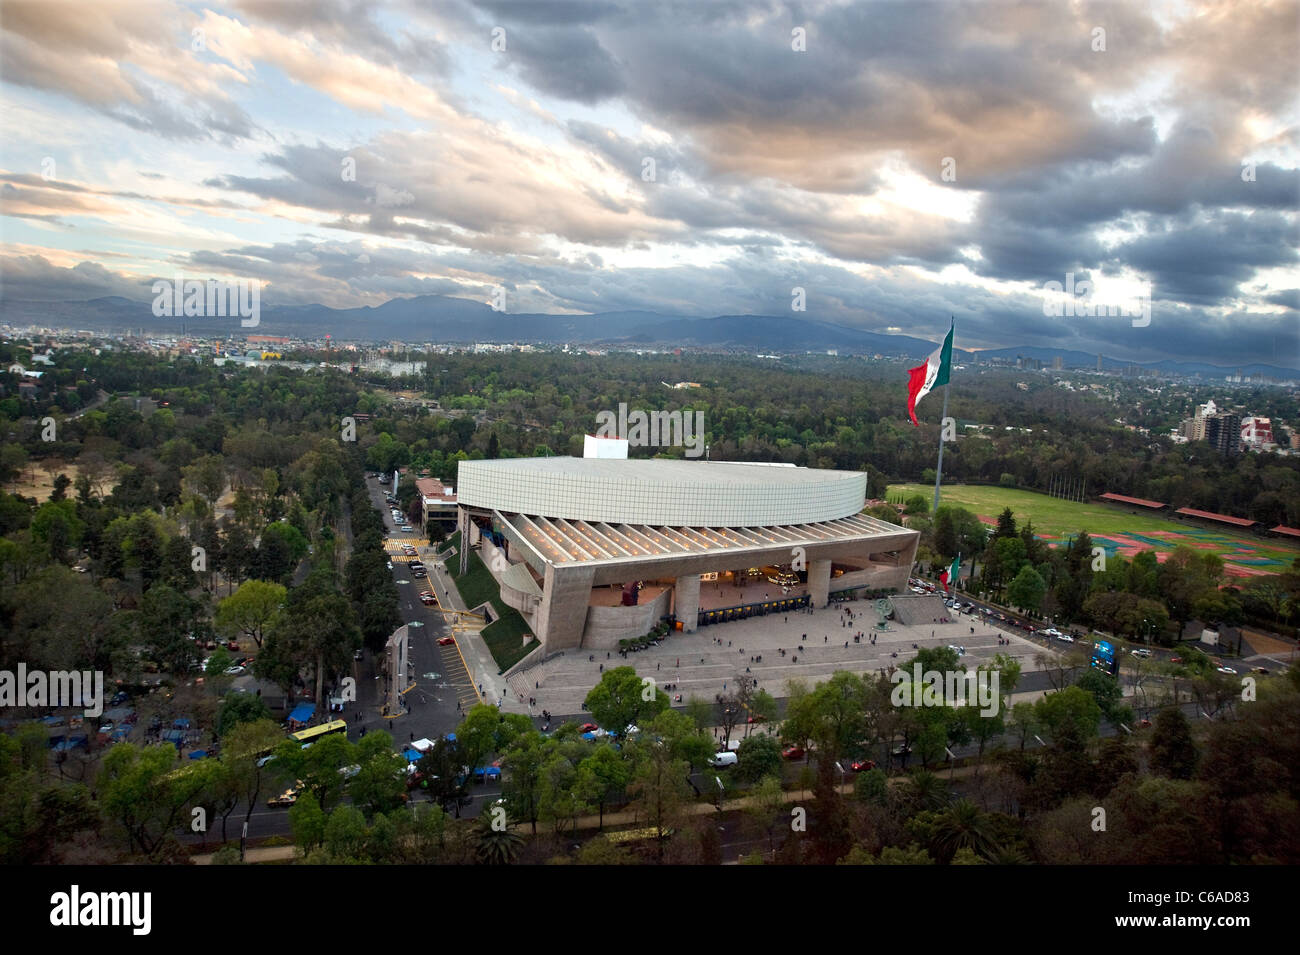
439	318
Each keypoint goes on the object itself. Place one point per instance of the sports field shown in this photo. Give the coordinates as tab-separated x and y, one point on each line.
1116	528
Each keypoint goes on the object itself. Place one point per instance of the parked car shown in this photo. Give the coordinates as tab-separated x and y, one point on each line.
860	765
428	599
356	654
1176	660
793	752
959	650
588	728
1227	670
1259	670
1065	638
288	797
446	641
1052	632
235	670
722	760
1141	653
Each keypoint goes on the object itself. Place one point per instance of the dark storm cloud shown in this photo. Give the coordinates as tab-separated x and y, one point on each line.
1204	262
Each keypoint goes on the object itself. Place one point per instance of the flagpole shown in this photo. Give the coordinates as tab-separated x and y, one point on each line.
938	472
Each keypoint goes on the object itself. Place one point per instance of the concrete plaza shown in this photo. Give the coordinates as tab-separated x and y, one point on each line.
709	661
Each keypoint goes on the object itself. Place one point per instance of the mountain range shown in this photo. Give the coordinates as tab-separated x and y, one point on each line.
444	319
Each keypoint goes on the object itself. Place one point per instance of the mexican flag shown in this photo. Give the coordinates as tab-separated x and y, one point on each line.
949	577
923	379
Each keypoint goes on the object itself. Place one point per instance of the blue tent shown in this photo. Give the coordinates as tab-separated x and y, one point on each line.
302	713
199	754
588	735
181	723
487	772
412	755
452	737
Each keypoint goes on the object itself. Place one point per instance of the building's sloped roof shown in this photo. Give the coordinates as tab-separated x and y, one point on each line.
560	541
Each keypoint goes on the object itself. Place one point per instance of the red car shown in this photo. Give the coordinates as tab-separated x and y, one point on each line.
793	752
756	718
588	728
446	641
428	599
860	765
1175	659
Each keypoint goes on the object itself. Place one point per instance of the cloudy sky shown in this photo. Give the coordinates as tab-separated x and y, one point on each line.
899	161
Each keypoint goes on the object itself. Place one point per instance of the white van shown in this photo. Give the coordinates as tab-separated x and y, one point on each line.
721	760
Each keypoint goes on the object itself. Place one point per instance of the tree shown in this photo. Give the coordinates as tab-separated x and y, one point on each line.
659	789
1073	709
602	776
766	806
622	699
57	528
242	748
251	611
307	822
1173	751
759	755
1027	590
1106	690
379	782
495	846
138	790
240	708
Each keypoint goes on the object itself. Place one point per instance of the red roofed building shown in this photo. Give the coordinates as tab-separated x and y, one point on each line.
1211	516
438	501
1287	531
1136	501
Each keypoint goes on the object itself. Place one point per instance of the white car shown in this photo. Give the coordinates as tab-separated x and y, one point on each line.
234	671
1227	670
1052	632
1065	638
960	651
1141	653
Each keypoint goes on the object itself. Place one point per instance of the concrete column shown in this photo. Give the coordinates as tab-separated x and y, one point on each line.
686	601
819	581
562	614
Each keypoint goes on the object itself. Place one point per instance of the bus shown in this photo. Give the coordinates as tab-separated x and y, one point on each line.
315	734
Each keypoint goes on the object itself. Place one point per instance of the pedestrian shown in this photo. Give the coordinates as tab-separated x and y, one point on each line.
656	666
602	668
846	644
679	661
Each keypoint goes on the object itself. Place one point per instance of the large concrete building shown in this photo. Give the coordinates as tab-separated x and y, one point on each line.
592	551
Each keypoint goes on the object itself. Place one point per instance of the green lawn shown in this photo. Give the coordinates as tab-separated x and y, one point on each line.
504	637
1055	519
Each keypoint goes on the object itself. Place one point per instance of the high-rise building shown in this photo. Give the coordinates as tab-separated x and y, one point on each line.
1099	362
1223	431
1058	363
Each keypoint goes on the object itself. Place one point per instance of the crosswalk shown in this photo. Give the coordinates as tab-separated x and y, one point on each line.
457	677
393	547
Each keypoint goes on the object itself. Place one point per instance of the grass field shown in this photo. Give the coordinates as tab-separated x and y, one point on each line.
1120	530
504	637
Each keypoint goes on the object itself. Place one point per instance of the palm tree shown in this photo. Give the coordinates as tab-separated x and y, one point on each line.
496	846
924	790
963	825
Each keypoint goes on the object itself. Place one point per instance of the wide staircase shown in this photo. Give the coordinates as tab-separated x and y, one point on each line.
916	611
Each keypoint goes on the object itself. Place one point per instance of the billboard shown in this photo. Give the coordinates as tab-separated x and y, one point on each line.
1103	657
